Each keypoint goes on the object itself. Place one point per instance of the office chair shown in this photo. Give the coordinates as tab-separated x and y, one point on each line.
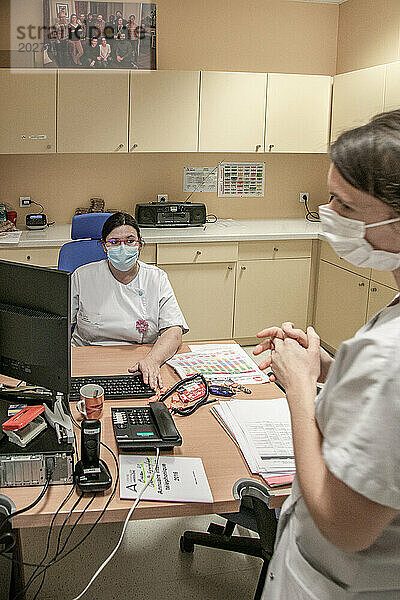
82	251
254	514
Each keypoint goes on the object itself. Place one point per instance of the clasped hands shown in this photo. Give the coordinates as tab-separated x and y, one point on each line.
295	355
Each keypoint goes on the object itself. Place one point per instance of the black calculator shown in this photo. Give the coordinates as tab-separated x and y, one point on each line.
142	427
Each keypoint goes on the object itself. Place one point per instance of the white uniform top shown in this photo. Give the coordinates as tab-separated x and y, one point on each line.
358	413
106	311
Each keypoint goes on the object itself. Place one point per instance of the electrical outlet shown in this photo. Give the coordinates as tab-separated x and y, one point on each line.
24	200
162	197
303	196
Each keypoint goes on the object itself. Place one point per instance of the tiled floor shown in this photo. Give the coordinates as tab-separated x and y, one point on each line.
148	565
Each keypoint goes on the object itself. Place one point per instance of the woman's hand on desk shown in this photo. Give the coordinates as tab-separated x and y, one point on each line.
289	331
150	370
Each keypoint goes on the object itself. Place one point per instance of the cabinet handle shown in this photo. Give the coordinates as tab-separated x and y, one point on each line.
28	257
361	284
258	146
133	147
374	289
276	249
243	268
48	146
230	268
270	147
198	252
119	147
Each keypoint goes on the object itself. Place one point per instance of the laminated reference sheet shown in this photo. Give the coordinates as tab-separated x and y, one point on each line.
177	478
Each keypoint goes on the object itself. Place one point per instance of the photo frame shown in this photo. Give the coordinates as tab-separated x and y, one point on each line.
62	8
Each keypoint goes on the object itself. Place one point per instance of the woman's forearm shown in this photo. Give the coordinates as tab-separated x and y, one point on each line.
166	345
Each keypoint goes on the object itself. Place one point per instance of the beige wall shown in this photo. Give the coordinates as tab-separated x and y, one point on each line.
230	35
369	34
63	182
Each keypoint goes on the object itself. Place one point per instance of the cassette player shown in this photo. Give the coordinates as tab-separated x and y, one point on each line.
171	214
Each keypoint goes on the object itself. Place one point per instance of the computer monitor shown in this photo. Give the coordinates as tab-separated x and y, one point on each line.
35	325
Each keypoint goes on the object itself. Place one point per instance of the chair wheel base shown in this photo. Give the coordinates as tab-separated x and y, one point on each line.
186	545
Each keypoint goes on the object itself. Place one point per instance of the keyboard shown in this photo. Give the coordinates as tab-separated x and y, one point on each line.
115	386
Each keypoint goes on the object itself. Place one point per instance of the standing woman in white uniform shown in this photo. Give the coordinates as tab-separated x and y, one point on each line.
339	531
121	300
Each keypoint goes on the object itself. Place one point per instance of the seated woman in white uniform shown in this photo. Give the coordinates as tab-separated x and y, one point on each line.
121	300
339	532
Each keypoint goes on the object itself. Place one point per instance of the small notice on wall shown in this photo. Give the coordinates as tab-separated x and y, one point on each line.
200	179
241	179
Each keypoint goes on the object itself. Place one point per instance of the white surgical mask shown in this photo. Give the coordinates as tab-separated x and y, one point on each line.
347	238
123	257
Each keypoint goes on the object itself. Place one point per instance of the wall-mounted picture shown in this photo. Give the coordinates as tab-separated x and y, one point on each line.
99	35
63	8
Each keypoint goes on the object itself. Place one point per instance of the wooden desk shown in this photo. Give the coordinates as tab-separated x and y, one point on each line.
202	437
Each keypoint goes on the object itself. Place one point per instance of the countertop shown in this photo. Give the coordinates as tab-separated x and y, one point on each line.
224	230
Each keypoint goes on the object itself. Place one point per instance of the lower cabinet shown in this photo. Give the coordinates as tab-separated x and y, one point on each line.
42	257
205	293
341	306
269	292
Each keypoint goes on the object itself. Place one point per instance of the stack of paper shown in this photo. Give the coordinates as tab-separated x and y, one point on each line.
262	430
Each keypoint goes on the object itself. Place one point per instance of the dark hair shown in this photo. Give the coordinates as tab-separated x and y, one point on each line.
368	158
116	220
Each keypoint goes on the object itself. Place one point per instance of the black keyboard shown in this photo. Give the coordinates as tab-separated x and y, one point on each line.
115	386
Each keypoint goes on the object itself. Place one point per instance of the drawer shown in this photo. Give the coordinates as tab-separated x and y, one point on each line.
329	255
43	257
275	249
148	254
384	277
170	254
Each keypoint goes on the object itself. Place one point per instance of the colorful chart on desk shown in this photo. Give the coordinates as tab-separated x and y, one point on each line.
235	365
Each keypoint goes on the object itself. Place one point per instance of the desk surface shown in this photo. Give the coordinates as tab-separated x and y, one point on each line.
202	437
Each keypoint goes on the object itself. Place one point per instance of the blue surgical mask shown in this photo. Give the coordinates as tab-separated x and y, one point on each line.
122	257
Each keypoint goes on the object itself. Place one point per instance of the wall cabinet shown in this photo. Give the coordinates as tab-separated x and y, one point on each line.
357	96
92	111
232	112
298	113
27	111
164	111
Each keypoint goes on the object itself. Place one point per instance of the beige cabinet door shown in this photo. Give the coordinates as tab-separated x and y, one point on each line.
269	292
164	111
205	294
392	86
357	96
232	112
298	113
92	111
341	304
27	111
379	297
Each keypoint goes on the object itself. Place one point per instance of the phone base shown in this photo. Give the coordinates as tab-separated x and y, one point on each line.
92	479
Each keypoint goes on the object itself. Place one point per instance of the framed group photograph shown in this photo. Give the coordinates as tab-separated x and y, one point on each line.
98	35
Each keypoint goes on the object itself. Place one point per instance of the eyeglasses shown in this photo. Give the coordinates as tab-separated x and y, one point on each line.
131	242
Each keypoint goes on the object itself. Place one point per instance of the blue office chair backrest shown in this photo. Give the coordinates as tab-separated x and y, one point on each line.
82	251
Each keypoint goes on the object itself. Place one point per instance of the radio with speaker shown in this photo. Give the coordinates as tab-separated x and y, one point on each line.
171	214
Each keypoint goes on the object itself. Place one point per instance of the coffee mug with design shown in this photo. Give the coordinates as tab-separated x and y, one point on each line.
92	399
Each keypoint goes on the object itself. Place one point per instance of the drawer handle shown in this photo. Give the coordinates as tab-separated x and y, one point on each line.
230	268
198	252
28	257
243	268
361	284
276	249
374	289
133	147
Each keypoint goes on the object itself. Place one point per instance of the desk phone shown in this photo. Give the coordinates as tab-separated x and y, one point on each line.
140	427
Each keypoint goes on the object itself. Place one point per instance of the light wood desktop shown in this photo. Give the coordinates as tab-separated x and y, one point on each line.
202	437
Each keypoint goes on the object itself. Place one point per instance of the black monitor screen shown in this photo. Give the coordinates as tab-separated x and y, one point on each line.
35	325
